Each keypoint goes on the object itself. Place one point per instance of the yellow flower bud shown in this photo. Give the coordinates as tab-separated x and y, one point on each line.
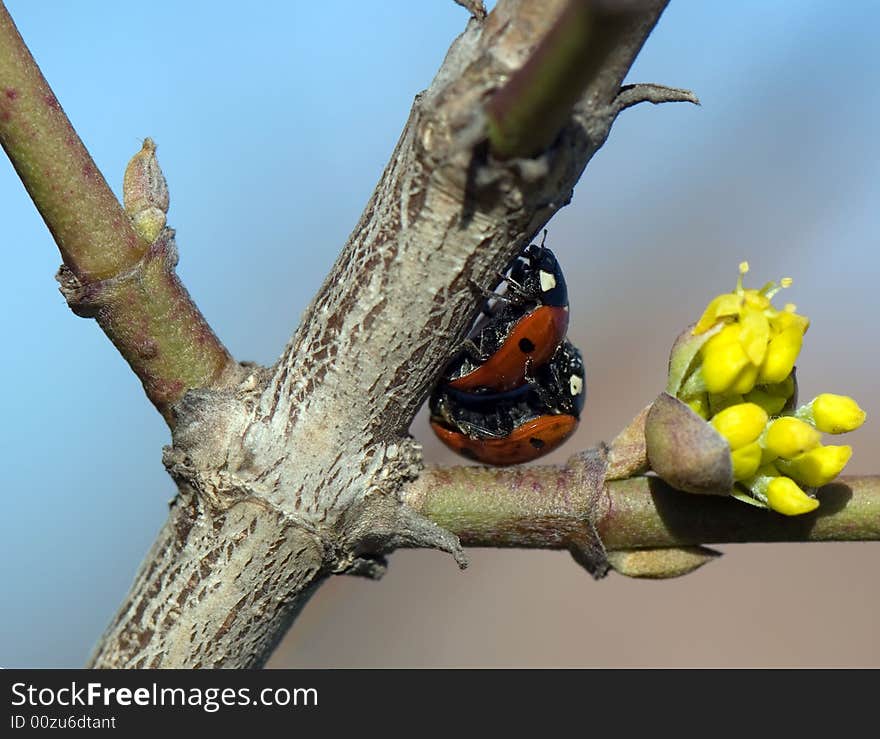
740	424
745	380
789	436
818	466
784	496
723	359
836	414
738	373
782	352
746	461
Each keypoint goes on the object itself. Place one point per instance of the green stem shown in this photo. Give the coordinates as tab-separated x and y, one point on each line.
87	222
547	507
526	115
129	288
644	511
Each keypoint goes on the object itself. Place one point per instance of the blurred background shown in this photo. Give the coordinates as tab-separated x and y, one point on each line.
274	121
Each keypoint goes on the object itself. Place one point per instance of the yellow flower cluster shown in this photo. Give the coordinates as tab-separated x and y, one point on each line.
743	383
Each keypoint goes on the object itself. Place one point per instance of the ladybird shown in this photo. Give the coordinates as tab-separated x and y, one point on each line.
525	329
526	442
518	425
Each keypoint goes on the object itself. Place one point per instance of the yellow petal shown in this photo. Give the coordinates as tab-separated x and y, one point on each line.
754	335
785	319
782	353
720	307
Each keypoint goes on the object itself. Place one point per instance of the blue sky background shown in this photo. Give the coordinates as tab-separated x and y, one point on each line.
273	121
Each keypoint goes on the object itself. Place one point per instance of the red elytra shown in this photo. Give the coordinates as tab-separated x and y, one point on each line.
529	441
531	342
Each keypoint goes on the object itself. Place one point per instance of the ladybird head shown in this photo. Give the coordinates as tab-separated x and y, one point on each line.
538	273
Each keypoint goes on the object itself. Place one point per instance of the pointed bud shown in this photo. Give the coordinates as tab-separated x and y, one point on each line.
658	564
145	193
685	451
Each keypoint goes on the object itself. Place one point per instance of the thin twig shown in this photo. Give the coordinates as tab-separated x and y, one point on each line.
110	274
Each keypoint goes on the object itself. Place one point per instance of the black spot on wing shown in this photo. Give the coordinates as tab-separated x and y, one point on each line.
526	346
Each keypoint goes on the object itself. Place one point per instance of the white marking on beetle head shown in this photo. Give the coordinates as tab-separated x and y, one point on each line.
576	384
548	281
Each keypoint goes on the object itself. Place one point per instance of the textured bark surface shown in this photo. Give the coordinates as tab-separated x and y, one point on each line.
217	584
297	473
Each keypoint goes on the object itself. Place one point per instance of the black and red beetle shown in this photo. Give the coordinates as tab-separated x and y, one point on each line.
518	425
523	330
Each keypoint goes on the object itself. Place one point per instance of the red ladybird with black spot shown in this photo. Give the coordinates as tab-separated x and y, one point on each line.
518	425
521	333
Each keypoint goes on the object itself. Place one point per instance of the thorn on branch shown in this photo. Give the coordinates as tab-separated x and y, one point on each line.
385	524
630	95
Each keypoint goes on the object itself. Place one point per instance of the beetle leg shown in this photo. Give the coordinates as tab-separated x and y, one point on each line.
486	292
518	294
472	351
477	431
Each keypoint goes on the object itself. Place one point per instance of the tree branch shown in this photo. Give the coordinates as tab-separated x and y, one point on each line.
306	469
570	62
320	442
110	273
549	507
194	594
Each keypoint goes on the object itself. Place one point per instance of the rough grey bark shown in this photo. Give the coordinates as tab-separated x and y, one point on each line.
297	473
